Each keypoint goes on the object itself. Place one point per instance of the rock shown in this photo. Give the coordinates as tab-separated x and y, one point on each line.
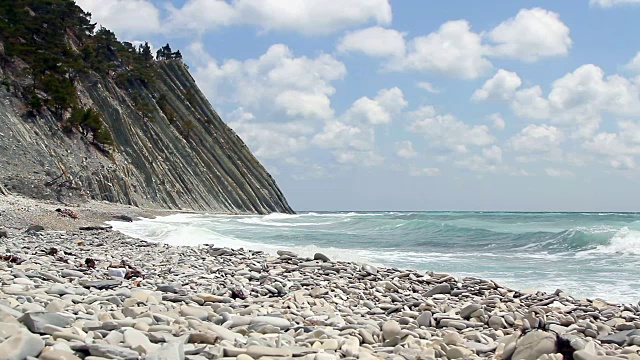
102	284
137	341
457	352
71	273
369	269
466	311
281	323
8	329
35	229
439	289
4	233
321	257
619	338
117	272
36	321
286	253
203	338
126	218
112	351
425	319
21	345
497	323
452	338
535	344
168	351
194	311
256	351
390	329
56	354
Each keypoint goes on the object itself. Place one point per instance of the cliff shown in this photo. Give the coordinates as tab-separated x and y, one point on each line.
165	145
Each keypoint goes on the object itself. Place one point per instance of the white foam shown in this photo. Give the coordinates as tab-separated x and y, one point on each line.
625	242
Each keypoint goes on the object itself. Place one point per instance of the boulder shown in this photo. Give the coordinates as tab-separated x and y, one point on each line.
535	344
36	321
21	345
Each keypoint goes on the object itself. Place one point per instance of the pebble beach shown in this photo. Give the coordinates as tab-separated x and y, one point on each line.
98	294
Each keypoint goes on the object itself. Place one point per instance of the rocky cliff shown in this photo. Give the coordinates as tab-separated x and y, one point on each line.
105	121
203	165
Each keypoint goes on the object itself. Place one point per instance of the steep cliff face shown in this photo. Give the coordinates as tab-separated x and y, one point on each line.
176	153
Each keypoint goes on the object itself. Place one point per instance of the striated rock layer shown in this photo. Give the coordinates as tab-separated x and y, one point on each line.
191	161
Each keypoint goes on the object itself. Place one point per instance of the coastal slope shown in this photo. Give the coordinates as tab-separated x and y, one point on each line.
145	134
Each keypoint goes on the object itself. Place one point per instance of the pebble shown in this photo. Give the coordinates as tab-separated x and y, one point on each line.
204	302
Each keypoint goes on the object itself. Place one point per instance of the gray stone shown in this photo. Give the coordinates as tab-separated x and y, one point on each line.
137	341
619	338
439	289
535	344
466	311
4	233
21	345
71	273
117	272
35	321
170	351
59	289
8	329
281	323
321	257
35	228
425	319
102	284
256	351
390	329
57	354
112	351
497	323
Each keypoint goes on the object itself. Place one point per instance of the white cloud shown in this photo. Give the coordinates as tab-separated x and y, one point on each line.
634	64
530	35
501	86
453	50
339	135
424	172
363	158
127	18
379	110
374	41
553	172
493	153
303	16
537	138
497	121
610	3
579	99
275	84
404	149
428	87
447	132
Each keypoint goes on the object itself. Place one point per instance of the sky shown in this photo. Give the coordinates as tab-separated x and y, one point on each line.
418	105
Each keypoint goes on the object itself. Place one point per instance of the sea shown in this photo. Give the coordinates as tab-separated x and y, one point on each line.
587	255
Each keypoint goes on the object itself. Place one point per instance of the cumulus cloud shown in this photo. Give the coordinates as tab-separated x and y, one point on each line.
537	138
501	86
554	172
275	82
530	35
424	172
634	64
452	50
127	18
303	16
425	85
373	41
447	132
456	50
610	3
579	100
497	121
404	149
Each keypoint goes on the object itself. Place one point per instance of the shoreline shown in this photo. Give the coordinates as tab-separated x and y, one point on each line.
107	295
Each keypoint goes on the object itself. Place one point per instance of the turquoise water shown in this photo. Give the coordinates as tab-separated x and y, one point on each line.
588	255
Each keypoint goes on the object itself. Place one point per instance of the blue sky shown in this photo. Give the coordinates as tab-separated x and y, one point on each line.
418	105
